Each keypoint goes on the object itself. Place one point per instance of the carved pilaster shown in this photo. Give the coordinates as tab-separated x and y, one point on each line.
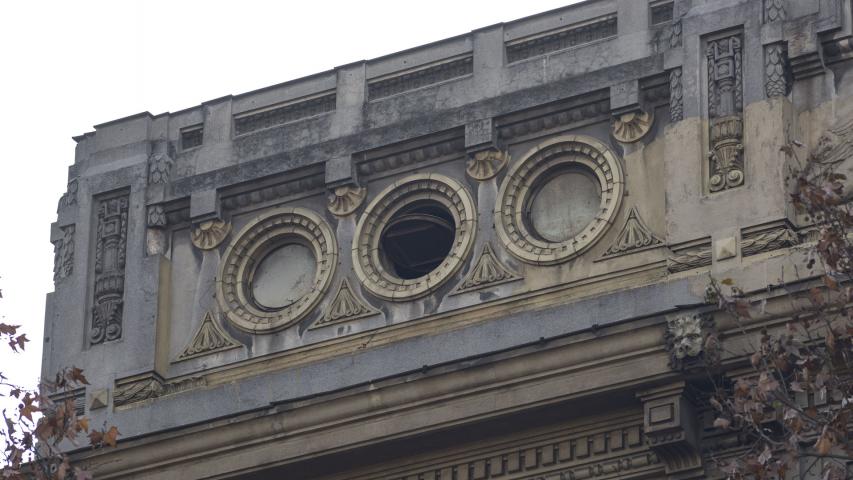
776	75
69	198
774	11
156	239
159	168
725	111
676	96
672	430
110	254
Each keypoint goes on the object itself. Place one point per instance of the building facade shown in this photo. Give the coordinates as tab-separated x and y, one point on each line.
483	258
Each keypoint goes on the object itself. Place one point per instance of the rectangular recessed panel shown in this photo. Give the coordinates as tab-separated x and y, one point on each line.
661	13
420	78
270	117
599	29
192	137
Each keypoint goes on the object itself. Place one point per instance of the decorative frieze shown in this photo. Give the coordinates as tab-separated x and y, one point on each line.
634	236
768	239
346	199
411	156
489	271
286	188
725	111
676	96
690	257
593	110
279	115
149	386
776	75
110	256
63	254
345	307
209	338
423	77
573	36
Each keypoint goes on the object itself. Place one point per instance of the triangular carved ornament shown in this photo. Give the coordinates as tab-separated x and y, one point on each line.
487	272
633	237
345	307
209	338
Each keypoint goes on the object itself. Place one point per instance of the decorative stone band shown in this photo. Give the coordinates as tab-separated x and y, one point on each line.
281	114
148	386
690	257
573	36
256	239
774	238
414	188
423	77
520	183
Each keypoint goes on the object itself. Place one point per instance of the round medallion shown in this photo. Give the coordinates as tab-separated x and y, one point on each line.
276	270
559	199
414	236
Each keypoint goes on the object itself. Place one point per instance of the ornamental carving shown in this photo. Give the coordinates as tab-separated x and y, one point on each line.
676	96
209	338
725	109
769	240
159	168
149	386
487	272
774	11
564	152
690	258
345	307
156	216
63	254
210	234
634	236
69	198
486	164
110	256
632	126
776	75
264	234
346	199
835	148
690	340
414	189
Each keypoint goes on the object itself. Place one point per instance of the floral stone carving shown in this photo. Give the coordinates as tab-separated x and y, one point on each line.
690	340
346	199
487	272
210	234
345	307
725	109
110	255
632	126
486	164
209	338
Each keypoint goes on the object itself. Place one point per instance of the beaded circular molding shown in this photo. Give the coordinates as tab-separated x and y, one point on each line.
369	266
526	176
265	234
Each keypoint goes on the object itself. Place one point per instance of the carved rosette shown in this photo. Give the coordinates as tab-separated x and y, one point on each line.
487	272
345	307
210	234
110	255
632	126
346	199
209	338
486	164
690	341
725	110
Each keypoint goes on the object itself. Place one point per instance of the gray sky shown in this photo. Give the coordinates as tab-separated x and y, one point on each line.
69	65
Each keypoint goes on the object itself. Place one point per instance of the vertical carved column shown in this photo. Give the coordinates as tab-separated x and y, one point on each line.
672	430
725	111
776	75
63	253
676	95
774	11
110	255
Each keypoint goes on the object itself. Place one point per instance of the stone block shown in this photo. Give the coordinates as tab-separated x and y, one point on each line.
725	248
204	205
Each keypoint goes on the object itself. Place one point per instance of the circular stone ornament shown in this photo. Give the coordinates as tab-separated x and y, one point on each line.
568	154
370	267
257	251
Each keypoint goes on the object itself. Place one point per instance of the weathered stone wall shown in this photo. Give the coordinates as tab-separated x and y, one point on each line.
676	123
